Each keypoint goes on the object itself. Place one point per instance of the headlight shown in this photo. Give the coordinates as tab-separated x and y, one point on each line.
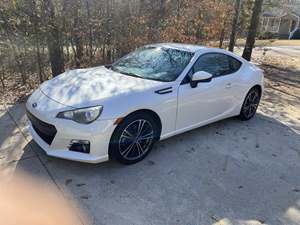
83	115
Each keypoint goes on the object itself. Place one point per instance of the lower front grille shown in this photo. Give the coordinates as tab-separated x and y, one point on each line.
46	131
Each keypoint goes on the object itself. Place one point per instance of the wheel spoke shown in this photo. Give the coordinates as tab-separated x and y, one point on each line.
250	112
146	136
128	150
140	148
246	108
127	134
253	107
253	99
248	101
140	126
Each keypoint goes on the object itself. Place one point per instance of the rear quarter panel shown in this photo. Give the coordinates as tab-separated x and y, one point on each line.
250	76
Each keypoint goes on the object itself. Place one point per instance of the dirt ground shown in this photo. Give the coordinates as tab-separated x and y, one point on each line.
281	98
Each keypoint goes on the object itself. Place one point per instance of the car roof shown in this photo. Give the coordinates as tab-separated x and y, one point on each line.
179	46
196	48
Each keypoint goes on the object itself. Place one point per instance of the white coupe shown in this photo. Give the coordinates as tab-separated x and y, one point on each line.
158	91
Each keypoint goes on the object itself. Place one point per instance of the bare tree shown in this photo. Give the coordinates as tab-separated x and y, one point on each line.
237	9
39	37
35	20
9	31
252	29
77	34
55	49
90	30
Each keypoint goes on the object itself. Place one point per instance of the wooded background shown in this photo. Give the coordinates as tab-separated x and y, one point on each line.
42	38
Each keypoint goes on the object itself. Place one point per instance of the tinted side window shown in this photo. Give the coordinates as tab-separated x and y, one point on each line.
215	63
235	64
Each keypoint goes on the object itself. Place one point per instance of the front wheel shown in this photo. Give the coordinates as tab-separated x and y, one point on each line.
133	139
250	104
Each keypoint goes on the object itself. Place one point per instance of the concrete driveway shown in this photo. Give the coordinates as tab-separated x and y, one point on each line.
230	172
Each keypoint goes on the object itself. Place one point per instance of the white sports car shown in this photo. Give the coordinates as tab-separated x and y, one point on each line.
119	111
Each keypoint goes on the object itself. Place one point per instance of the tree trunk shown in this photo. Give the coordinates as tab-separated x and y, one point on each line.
55	51
108	31
78	37
156	18
252	29
178	8
237	9
222	36
2	78
67	49
143	7
39	61
90	38
35	19
15	52
223	31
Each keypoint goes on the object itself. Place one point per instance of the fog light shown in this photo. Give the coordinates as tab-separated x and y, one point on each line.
82	146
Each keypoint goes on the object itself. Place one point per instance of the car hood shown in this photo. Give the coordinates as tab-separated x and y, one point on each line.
83	86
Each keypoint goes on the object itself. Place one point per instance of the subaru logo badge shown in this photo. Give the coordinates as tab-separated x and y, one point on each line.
34	105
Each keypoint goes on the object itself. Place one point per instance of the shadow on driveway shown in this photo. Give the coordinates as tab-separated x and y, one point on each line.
231	171
12	139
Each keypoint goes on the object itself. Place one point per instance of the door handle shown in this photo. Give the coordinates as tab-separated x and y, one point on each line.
228	85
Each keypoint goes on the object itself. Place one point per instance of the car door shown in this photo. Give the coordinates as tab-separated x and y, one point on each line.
209	101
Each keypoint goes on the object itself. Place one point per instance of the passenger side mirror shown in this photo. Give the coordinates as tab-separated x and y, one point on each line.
200	76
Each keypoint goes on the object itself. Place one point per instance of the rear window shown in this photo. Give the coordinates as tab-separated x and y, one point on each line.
218	64
234	64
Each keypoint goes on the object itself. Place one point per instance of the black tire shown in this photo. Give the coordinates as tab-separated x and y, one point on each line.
250	104
127	134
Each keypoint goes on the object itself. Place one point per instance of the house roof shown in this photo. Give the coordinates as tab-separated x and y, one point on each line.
291	9
271	14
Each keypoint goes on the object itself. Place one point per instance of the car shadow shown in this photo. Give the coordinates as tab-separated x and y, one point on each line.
13	140
228	171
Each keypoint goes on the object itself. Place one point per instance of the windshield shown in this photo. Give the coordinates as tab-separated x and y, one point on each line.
154	63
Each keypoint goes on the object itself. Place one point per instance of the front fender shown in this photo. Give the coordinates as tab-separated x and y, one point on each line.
164	105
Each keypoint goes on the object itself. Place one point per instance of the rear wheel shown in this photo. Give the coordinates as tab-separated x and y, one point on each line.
250	104
133	139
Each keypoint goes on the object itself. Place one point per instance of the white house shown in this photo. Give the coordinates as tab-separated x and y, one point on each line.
281	25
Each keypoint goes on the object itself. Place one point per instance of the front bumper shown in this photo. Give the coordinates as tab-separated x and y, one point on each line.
99	141
97	133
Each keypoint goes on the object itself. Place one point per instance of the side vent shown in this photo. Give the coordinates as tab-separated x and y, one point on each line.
164	91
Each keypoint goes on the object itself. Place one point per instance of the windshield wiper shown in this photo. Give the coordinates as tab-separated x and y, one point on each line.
131	74
125	73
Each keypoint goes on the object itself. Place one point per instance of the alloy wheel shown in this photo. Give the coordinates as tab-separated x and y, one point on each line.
136	139
251	104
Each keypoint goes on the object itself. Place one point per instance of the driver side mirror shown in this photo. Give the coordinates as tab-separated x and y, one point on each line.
200	76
